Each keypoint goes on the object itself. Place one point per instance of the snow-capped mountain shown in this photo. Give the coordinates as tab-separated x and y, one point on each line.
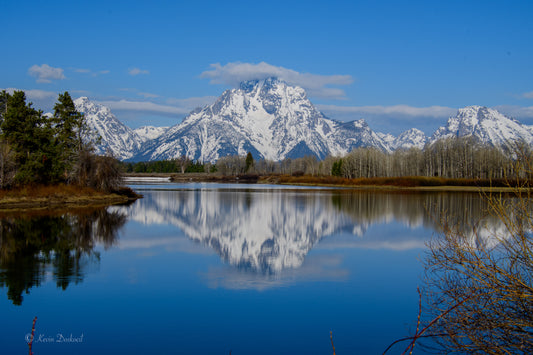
412	138
116	138
487	126
269	118
147	133
275	121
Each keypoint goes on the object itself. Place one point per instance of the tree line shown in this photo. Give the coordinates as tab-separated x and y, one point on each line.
182	165
455	158
49	149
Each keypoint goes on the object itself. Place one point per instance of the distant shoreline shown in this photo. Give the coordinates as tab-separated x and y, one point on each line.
410	183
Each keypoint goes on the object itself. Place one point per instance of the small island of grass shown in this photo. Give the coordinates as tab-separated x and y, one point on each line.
62	196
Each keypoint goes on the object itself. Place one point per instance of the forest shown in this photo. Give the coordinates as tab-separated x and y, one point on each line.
39	149
453	158
51	149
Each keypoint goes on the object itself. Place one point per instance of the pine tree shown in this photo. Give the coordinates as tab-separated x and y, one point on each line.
249	161
3	104
68	125
25	130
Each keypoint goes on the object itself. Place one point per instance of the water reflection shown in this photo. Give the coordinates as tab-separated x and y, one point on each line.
58	247
267	231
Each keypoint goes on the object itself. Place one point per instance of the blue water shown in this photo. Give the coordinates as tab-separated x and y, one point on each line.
176	278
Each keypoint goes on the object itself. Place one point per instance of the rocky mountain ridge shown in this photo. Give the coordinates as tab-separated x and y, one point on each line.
275	121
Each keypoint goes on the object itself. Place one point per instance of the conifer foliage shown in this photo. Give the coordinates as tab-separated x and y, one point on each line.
37	149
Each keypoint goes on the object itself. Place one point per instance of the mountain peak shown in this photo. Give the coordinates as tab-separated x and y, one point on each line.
486	125
269	118
274	120
82	101
117	138
270	81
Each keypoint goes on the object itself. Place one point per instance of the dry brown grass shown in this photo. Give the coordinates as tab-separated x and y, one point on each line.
50	191
405	182
58	196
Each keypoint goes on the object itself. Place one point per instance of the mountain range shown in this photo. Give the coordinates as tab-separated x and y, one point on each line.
276	121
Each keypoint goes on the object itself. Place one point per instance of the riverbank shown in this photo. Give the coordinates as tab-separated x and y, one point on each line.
409	183
416	183
61	196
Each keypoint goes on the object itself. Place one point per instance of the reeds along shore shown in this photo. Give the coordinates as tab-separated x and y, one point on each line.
407	181
397	182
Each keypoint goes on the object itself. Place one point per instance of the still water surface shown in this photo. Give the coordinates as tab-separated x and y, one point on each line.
210	268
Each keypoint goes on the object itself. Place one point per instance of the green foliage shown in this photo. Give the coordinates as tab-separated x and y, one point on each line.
336	169
3	104
195	168
164	166
249	161
67	124
45	150
27	131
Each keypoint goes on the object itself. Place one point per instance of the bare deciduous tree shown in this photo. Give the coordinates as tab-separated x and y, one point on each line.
479	285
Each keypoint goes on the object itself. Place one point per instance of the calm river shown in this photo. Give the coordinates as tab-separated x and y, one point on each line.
214	269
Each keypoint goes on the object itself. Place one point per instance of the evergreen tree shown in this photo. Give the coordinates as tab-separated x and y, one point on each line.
336	169
249	161
68	125
26	131
3	104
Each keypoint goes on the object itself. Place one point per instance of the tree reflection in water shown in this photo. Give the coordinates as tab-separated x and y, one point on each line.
61	245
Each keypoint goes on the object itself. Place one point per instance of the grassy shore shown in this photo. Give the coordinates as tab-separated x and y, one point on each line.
418	183
61	196
415	183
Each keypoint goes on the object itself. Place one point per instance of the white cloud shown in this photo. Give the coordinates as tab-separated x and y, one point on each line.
35	94
316	85
517	112
192	102
41	99
144	106
399	110
528	95
137	71
90	72
45	73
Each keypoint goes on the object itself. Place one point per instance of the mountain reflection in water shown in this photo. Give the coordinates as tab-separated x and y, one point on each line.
34	248
263	235
269	231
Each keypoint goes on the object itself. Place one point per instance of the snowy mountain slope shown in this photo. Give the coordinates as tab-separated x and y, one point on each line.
486	125
346	136
275	121
266	117
412	138
116	138
147	133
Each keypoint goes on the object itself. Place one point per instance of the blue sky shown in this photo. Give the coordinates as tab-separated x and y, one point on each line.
398	64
